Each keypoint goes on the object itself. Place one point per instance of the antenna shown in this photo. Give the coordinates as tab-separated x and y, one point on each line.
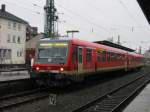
50	19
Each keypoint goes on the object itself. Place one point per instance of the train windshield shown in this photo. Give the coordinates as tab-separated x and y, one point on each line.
54	53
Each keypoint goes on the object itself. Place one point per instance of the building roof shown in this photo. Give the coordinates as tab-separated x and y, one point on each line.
6	15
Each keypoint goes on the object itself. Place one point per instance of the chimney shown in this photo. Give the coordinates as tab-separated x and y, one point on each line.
3	7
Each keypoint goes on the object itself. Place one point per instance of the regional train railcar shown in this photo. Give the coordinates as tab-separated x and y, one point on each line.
74	59
134	60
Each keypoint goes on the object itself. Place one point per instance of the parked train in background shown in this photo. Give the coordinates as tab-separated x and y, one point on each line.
75	59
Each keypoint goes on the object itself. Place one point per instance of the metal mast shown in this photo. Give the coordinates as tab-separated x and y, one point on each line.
50	19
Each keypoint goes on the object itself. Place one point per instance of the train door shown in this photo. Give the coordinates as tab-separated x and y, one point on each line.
80	59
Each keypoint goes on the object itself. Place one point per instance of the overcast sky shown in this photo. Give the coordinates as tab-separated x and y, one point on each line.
95	19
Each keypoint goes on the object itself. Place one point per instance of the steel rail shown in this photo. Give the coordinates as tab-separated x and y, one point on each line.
21	98
105	106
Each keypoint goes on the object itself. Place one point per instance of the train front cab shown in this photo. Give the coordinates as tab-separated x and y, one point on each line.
51	59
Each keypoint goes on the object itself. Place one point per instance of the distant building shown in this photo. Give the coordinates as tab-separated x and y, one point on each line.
32	43
147	56
12	38
31	32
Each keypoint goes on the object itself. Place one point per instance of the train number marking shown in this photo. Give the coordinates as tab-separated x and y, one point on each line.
52	99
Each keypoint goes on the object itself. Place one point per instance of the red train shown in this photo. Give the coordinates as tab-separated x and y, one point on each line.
74	59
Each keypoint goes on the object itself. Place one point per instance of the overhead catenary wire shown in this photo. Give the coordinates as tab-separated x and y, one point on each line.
83	18
131	16
21	6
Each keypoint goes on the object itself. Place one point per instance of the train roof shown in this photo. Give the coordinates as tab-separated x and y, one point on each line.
97	46
93	45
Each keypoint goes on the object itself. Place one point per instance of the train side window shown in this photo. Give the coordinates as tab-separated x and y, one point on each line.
108	56
104	56
116	56
80	55
98	56
88	55
112	57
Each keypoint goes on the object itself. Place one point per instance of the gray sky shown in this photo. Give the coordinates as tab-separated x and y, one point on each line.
95	19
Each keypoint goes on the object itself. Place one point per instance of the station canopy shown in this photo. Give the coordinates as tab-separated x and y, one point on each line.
110	44
145	6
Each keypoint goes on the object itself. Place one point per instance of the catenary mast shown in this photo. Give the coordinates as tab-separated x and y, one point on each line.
50	19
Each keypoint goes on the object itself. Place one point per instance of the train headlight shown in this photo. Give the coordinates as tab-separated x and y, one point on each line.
61	69
37	68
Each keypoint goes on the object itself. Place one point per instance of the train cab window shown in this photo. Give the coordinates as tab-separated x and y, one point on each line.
88	55
98	56
104	56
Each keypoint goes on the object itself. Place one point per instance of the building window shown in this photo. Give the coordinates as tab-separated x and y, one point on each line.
18	53
8	38
9	54
5	54
14	25
19	27
0	53
14	39
9	25
21	53
18	40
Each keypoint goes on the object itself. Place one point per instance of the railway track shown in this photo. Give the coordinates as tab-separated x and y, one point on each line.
114	100
96	96
15	86
22	97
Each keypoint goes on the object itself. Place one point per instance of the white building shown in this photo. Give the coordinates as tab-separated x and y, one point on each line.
12	38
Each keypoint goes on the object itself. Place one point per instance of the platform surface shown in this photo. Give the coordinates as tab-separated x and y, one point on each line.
141	103
15	75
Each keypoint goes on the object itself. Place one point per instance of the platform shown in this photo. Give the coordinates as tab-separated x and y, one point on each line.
14	75
141	103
